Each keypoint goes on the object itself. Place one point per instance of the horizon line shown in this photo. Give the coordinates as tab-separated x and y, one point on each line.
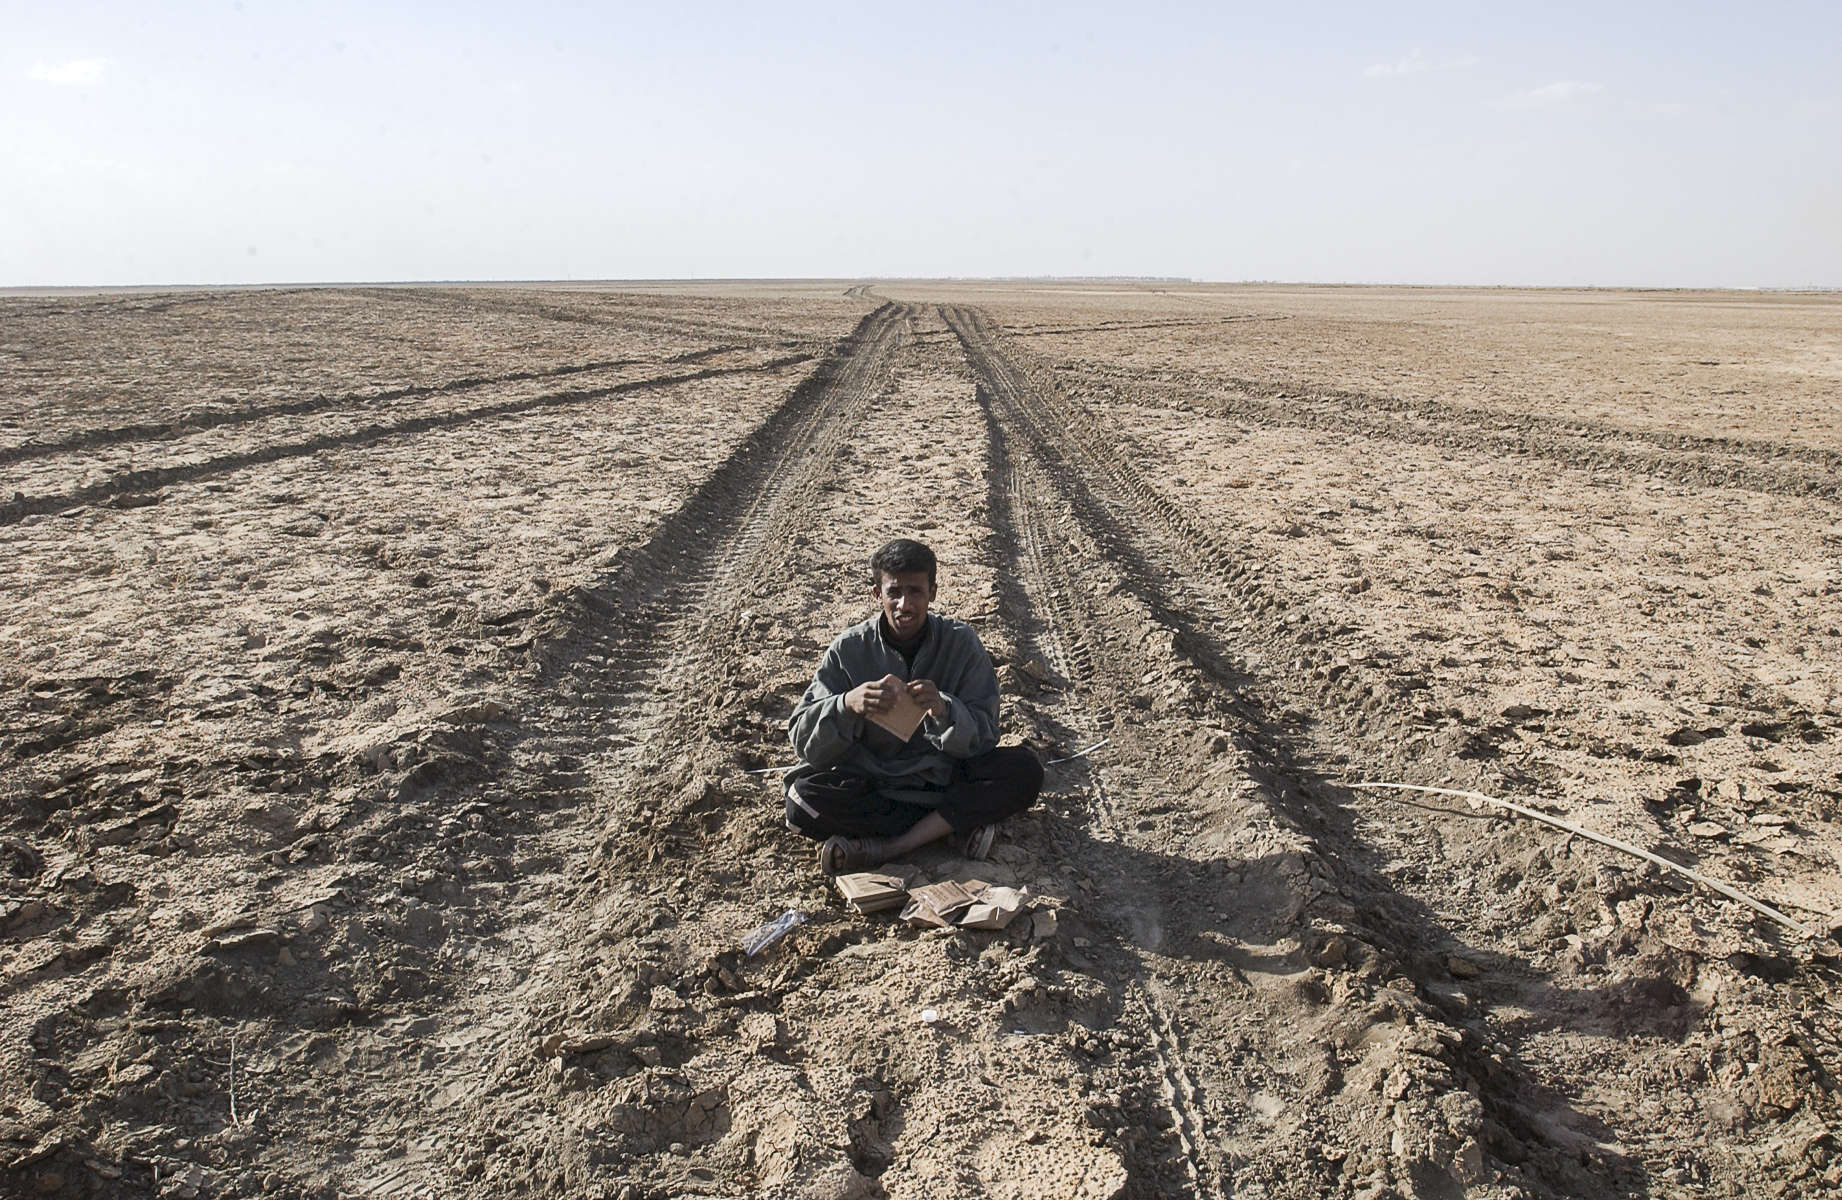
17	290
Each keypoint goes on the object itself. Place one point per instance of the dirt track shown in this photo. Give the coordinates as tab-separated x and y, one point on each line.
385	668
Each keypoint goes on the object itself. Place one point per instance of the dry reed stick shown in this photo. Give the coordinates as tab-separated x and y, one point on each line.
1083	753
1614	843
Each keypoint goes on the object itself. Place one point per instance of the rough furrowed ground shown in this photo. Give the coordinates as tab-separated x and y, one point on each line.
395	678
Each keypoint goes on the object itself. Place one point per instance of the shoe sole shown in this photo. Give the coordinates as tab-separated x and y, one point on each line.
840	855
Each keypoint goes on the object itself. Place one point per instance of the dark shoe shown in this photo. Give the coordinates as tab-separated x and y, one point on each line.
977	842
846	856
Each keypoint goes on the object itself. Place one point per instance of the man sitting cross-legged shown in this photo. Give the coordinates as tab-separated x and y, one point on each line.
862	791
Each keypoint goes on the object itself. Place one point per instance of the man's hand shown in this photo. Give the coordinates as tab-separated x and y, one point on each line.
928	696
874	697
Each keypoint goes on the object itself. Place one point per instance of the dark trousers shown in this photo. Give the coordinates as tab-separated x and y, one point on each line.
985	790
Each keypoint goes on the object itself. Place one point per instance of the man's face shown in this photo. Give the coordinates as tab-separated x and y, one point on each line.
904	598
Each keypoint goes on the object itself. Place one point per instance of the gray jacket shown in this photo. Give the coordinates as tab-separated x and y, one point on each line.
826	734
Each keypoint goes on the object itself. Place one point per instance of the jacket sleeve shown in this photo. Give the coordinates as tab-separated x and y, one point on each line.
821	728
970	727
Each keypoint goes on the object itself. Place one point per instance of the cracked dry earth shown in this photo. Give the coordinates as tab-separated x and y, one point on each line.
389	676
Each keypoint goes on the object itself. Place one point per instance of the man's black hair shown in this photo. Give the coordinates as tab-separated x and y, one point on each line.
899	557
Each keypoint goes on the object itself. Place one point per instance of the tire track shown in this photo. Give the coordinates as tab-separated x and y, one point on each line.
1164	558
131	483
498	817
1126	326
650	586
1583	444
1372	701
188	423
1019	417
1076	467
1238	597
1181	1095
1055	615
636	648
1059	620
620	319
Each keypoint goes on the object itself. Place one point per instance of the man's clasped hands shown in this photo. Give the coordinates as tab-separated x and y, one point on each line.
882	695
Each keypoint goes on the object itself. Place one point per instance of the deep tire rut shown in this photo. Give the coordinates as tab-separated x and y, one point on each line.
1065	623
1187	584
131	483
632	650
1578	443
625	318
188	423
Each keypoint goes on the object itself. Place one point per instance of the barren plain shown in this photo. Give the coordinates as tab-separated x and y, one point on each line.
393	680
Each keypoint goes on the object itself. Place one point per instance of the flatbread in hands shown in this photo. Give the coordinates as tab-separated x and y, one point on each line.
901	718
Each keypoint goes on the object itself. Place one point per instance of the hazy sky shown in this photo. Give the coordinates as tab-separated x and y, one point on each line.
1672	144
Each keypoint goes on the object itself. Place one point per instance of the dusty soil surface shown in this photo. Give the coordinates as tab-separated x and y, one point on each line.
393	680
